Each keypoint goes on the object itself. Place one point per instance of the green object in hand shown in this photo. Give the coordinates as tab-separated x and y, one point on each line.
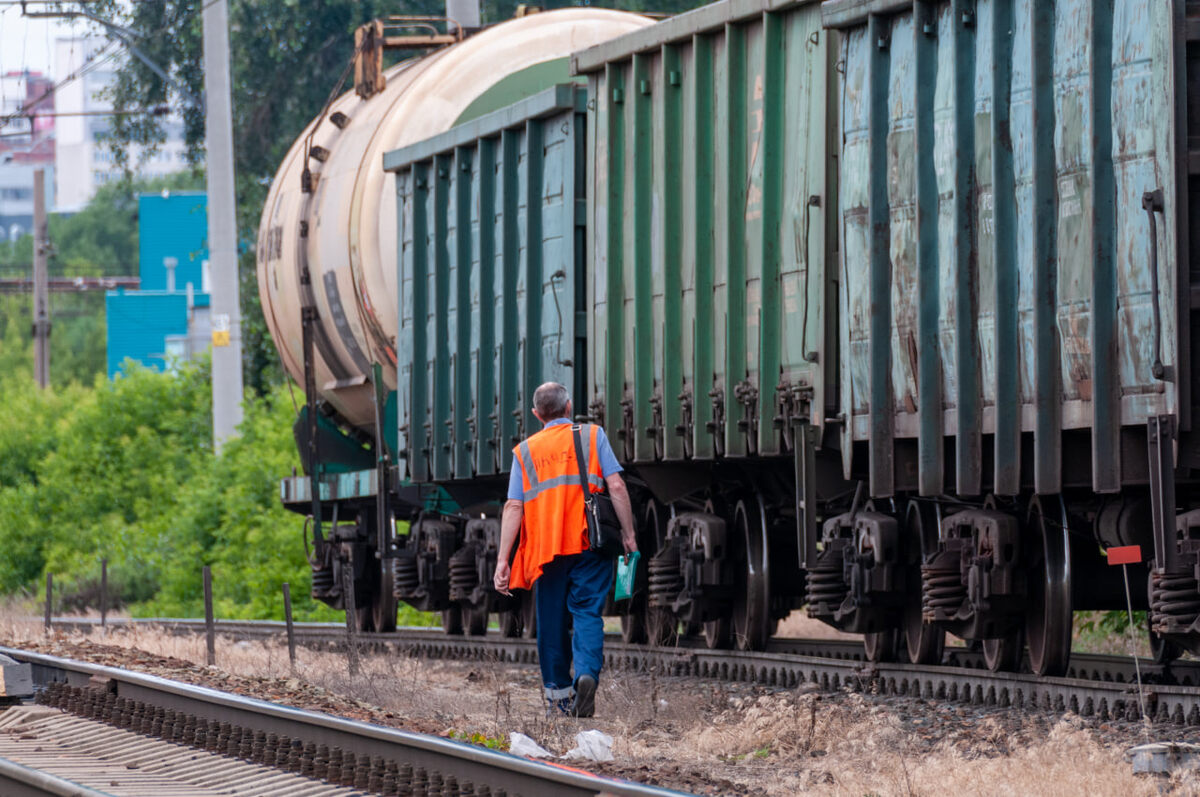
626	574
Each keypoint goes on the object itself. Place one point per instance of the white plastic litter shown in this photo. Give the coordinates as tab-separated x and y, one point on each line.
520	744
592	745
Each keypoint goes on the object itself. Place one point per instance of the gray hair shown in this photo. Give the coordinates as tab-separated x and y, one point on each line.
550	401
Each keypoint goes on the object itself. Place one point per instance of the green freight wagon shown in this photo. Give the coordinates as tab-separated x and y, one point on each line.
1016	317
712	240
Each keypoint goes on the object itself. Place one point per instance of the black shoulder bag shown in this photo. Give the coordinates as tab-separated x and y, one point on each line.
604	527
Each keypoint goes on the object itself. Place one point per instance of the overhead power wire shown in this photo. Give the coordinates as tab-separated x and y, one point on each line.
88	65
93	62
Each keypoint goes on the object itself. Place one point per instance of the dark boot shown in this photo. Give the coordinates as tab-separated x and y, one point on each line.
585	697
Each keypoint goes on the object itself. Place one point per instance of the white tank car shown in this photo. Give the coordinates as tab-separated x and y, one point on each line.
344	230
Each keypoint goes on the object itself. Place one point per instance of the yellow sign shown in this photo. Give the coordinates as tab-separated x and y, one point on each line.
220	329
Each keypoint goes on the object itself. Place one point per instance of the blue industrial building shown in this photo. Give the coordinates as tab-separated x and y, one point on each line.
167	319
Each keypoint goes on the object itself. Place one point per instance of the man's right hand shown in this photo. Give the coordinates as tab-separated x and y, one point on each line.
500	580
630	543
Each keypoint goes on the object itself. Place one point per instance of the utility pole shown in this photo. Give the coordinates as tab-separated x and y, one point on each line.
41	283
222	226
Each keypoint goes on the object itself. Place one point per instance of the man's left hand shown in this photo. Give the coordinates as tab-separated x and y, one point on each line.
500	580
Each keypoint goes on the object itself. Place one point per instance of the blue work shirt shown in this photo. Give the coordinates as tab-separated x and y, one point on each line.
608	462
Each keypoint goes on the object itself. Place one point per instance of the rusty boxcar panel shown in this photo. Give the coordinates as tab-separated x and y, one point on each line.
995	248
490	244
709	181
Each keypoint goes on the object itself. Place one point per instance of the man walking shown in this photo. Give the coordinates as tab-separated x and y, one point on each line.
545	504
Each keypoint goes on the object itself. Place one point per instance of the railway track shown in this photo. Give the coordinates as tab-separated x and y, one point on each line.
1096	685
112	731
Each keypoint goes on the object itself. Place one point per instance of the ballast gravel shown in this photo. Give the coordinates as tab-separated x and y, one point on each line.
699	736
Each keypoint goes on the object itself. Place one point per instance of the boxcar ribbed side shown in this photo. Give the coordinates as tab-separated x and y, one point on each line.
710	194
996	158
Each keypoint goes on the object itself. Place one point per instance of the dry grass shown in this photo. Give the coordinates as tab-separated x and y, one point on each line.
798	625
713	737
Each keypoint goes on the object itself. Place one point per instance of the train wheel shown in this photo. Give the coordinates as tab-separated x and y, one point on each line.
718	634
633	627
1164	651
662	627
384	603
923	642
528	615
512	623
452	620
654	533
1004	654
1048	617
365	619
752	593
475	619
881	645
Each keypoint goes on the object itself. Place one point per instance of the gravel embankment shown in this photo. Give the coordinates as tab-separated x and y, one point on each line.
701	736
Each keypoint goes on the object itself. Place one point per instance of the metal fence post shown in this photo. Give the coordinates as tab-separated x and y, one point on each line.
103	593
49	599
351	612
291	631
209	625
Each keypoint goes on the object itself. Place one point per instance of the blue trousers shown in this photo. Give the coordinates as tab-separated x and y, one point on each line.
578	583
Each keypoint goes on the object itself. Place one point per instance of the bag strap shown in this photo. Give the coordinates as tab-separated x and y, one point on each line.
583	473
588	509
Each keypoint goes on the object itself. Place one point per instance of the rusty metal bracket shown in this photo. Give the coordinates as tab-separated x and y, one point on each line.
308	320
746	394
596	410
805	435
383	547
1160	437
687	422
717	425
656	430
369	79
793	404
626	432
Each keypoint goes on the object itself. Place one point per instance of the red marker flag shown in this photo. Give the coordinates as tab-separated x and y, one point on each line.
1124	555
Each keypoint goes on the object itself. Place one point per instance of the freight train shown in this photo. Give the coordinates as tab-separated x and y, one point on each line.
885	305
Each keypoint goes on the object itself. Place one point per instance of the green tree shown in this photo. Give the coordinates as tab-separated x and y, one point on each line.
99	476
125	471
229	517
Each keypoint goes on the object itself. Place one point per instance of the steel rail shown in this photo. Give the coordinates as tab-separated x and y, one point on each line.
1084	666
1096	685
498	770
17	780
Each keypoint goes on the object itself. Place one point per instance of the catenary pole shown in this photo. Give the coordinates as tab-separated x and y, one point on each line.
41	283
222	226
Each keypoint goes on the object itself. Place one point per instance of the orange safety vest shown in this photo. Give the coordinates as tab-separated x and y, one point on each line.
554	522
